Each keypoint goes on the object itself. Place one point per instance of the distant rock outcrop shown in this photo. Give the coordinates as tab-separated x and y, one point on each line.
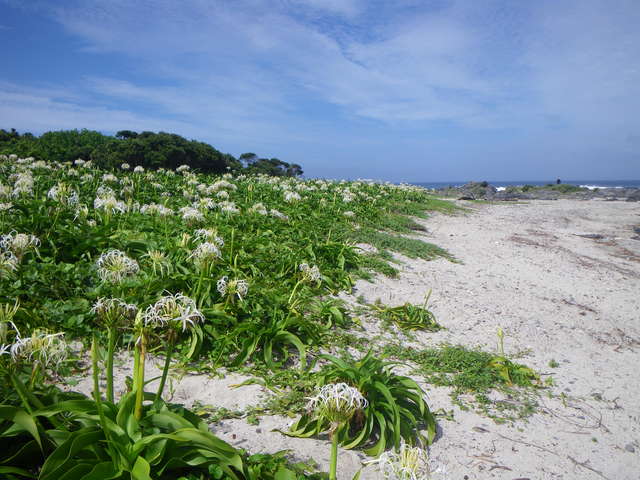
486	191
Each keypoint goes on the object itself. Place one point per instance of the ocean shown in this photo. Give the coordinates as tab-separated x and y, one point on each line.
502	184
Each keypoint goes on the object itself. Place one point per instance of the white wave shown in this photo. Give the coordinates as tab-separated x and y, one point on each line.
501	189
593	187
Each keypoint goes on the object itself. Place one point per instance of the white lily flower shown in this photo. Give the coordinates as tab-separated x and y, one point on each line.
337	403
230	288
114	266
175	311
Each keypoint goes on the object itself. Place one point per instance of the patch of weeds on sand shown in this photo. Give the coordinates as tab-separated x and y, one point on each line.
290	387
343	341
378	264
411	247
426	204
474	374
409	317
213	414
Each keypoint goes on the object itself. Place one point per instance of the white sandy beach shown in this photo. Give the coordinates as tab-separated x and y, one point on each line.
557	295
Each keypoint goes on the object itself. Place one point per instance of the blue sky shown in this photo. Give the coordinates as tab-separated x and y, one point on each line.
400	90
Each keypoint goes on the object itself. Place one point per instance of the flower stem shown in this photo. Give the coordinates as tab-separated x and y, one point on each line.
110	352
333	461
167	363
294	291
96	393
139	374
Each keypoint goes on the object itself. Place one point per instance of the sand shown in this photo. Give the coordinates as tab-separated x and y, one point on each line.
558	296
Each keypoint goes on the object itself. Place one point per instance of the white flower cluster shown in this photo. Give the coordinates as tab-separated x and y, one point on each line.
160	264
348	196
291	197
106	200
114	266
18	243
222	184
230	288
337	403
63	194
183	168
310	274
138	169
409	463
259	208
191	215
109	177
209	234
275	213
45	349
23	184
114	311
156	209
173	311
228	207
205	203
205	254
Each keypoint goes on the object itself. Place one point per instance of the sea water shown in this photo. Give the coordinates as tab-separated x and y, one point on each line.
501	185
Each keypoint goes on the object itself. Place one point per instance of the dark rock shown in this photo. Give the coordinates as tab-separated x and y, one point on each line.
593	236
629	448
634	196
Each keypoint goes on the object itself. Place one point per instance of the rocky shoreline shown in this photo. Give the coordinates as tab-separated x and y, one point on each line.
486	191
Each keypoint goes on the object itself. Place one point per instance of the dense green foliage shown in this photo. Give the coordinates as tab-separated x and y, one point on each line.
230	269
269	228
146	149
396	409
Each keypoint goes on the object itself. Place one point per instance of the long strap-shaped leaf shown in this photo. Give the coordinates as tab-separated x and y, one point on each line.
22	419
61	458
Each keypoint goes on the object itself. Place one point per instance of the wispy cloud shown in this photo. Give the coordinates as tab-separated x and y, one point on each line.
559	75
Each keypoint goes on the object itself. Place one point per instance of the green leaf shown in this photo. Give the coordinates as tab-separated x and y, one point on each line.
61	458
284	474
16	471
22	419
141	470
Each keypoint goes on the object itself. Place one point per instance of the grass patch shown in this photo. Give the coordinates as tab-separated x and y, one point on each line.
409	317
376	263
410	247
475	374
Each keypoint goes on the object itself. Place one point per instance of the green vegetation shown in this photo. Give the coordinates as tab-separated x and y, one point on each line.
232	271
471	372
410	317
145	149
396	408
561	188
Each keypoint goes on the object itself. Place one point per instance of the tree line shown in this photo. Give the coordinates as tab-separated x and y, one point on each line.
148	149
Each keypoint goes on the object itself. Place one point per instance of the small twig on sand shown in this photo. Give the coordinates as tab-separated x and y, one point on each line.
584	465
528	444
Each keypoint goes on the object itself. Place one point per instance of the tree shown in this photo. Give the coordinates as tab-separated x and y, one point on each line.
126	134
247	159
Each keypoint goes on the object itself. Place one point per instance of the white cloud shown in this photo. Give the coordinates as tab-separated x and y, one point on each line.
559	76
347	8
